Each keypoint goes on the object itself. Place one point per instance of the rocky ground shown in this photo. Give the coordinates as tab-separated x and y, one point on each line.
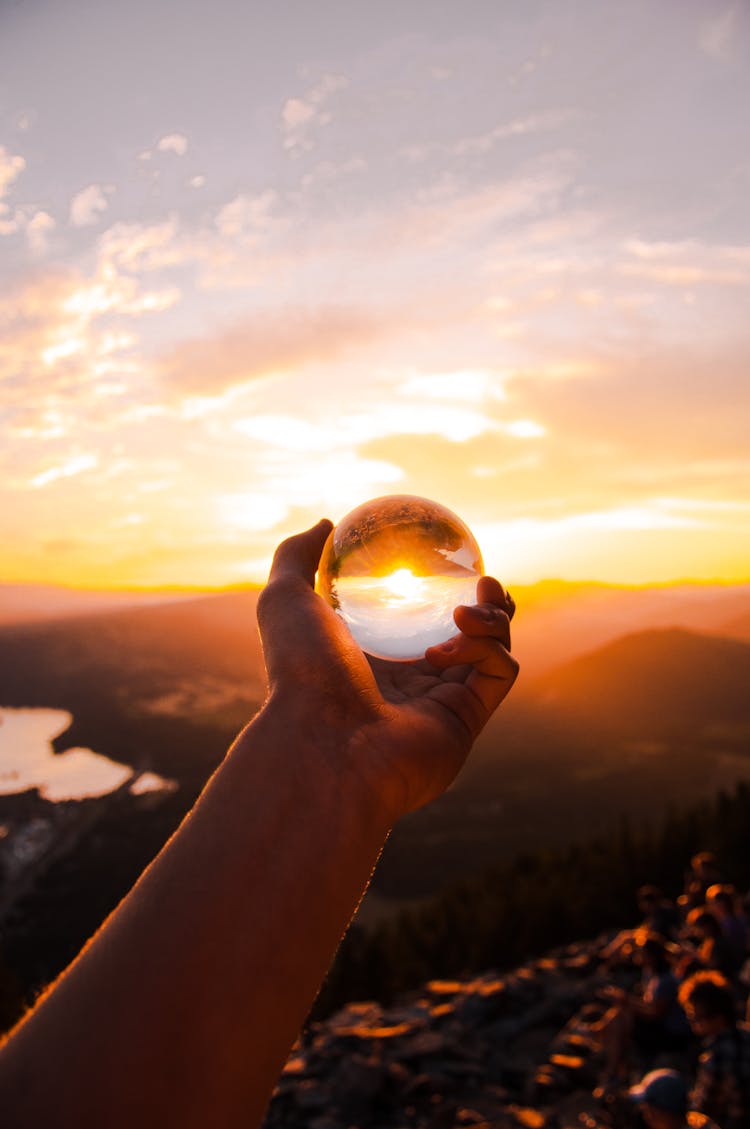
495	1052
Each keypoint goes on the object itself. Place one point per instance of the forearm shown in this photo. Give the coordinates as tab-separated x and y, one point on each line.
192	993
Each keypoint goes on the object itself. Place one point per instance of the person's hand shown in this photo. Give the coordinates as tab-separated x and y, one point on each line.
405	728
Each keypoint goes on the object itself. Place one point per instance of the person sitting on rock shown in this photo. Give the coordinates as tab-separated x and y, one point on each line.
648	1022
722	1085
662	1098
723	903
707	947
658	915
703	872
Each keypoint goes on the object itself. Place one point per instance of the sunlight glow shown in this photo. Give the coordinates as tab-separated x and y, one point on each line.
403	585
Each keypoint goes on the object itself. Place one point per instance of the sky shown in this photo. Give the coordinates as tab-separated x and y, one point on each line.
262	262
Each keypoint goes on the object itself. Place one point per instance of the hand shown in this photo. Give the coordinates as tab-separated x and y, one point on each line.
405	729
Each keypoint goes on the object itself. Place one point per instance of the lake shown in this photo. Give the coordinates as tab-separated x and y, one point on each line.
28	760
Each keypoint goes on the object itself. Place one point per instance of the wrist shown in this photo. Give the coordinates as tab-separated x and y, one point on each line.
328	757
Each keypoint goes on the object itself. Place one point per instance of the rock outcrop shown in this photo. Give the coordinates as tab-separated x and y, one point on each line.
498	1050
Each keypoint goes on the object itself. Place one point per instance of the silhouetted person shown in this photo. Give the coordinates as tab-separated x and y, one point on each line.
662	1098
703	872
724	903
658	915
183	1008
714	951
650	1021
722	1086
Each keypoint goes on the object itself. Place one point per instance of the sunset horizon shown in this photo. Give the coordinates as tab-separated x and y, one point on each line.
497	258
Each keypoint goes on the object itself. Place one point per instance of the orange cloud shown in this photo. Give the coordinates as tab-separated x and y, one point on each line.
270	343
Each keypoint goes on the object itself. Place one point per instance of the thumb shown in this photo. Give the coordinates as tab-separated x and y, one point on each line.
298	556
288	609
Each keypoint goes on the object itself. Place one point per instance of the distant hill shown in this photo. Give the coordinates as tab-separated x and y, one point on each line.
655	683
30	603
738	628
557	621
148	648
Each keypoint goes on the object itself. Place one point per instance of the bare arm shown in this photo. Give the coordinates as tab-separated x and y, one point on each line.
183	1008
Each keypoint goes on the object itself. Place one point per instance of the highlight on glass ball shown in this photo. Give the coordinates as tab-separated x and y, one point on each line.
394	569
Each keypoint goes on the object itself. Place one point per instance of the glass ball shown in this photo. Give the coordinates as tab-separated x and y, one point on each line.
394	569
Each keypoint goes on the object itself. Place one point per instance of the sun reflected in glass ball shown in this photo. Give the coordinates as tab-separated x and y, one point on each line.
394	569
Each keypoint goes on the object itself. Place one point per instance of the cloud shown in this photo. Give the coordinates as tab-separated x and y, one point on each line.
141	247
352	428
480	144
327	171
659	410
8	226
11	168
464	385
450	211
246	214
176	143
300	114
87	205
296	113
58	337
525	429
268	343
75	465
333	482
716	36
37	231
687	263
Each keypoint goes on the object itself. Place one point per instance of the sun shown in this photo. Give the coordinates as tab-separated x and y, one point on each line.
403	584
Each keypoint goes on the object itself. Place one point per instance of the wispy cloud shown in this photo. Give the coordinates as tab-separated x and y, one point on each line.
269	343
11	167
247	215
76	465
88	205
38	229
176	143
480	144
717	34
688	263
300	115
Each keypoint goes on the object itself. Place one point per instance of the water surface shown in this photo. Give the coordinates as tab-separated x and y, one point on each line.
28	760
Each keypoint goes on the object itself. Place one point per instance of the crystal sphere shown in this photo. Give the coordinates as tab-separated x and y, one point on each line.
394	569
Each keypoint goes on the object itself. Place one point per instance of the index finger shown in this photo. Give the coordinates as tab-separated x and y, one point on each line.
491	591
